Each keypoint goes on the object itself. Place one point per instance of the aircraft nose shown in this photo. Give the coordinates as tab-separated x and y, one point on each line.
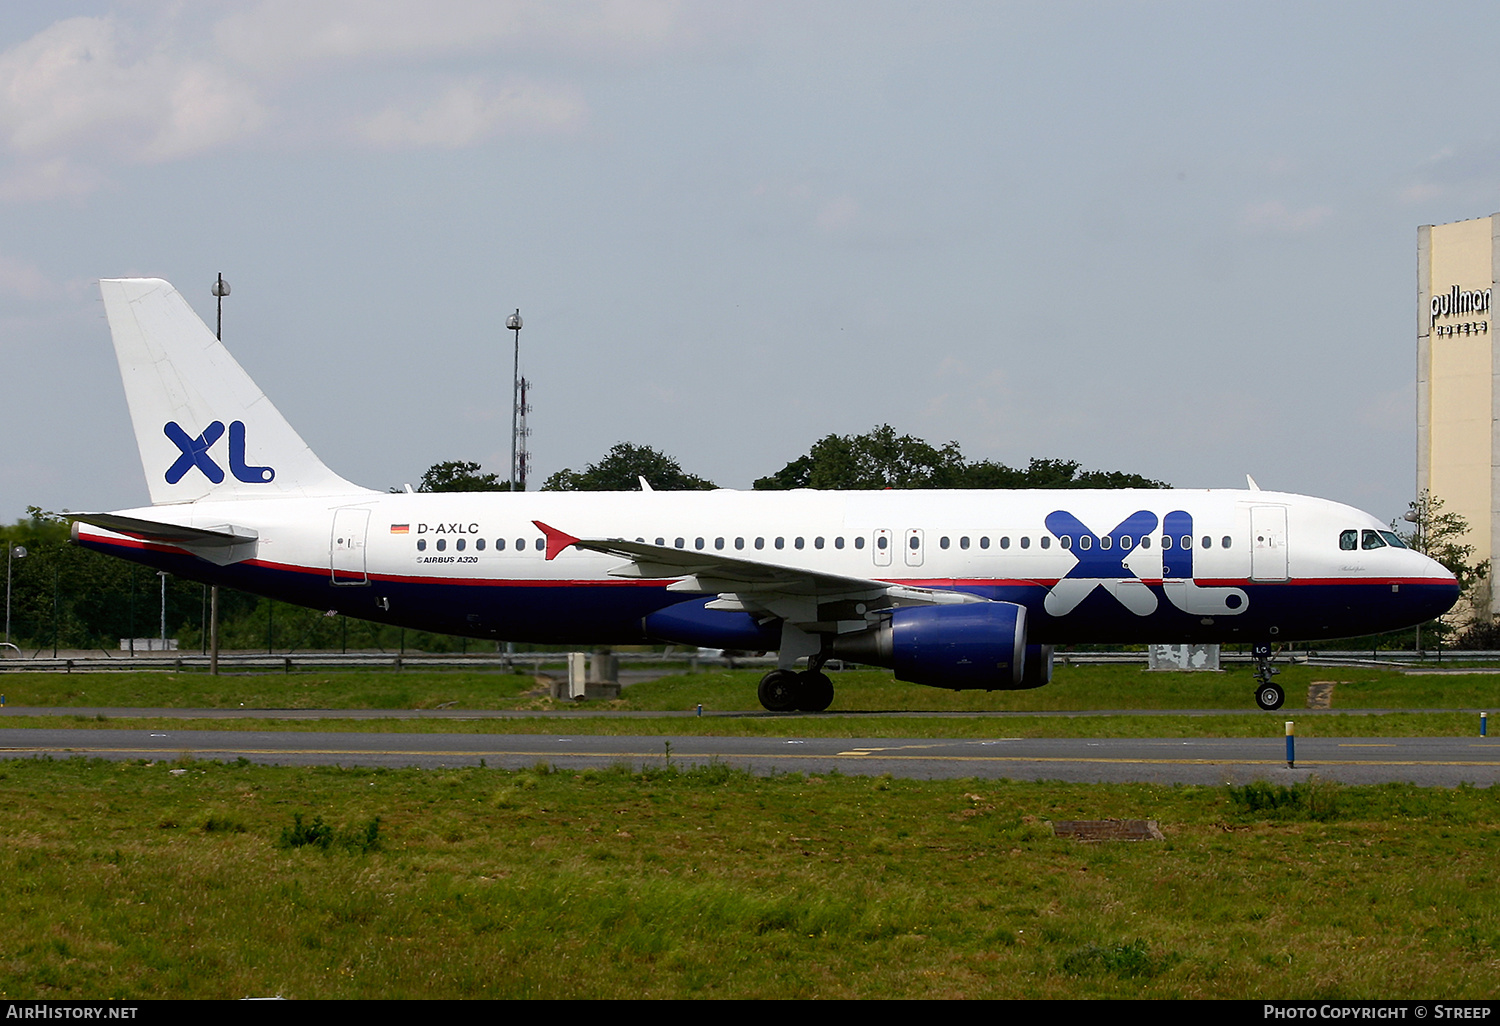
1435	595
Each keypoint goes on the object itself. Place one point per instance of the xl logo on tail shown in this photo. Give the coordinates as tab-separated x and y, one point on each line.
195	454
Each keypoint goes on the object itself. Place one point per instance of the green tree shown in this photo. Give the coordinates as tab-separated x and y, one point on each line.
881	459
1044	473
1440	534
77	598
876	459
621	469
84	599
460	476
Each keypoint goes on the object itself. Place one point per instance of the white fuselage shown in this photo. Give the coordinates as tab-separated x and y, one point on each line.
1089	565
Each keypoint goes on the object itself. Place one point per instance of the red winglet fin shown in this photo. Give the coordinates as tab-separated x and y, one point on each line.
556	540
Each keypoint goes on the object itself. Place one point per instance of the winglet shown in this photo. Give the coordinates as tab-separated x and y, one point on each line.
1251	482
556	540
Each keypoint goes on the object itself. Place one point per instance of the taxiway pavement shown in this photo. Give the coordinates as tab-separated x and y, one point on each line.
1444	762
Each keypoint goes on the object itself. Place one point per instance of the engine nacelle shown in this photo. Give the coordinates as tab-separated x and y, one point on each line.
692	623
973	646
1038	666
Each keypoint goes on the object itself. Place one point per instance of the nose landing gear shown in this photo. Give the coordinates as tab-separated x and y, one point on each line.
1268	694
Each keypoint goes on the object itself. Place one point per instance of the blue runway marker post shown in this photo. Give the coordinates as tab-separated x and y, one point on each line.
1291	745
700	708
1482	718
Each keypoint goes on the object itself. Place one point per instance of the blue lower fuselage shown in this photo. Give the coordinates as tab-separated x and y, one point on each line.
614	611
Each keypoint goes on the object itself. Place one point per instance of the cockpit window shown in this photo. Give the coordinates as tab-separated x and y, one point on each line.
1394	539
1372	540
1349	540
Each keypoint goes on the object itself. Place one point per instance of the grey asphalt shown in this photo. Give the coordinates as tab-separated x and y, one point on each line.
1444	762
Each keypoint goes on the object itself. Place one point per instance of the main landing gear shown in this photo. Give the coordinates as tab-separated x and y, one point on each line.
788	690
784	689
1268	695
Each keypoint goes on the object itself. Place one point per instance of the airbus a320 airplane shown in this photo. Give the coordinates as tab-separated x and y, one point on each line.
953	589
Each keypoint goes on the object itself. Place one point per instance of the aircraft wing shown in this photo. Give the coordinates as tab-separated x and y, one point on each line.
220	544
810	599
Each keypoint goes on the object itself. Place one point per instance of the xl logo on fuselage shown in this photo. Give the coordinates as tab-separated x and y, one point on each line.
195	454
1103	562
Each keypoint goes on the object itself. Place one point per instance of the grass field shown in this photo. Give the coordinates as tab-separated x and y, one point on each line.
1074	689
140	880
869	703
199	879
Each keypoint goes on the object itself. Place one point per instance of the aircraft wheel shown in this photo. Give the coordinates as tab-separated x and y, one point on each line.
816	691
779	690
1269	697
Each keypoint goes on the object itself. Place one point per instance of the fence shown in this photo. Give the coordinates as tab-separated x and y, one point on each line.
540	662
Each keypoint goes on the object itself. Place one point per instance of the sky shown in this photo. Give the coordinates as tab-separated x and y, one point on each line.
1174	239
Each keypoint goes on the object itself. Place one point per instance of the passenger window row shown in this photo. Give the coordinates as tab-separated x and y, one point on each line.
1087	541
459	544
1347	540
719	544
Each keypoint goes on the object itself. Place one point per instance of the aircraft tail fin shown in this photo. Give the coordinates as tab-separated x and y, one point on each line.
205	430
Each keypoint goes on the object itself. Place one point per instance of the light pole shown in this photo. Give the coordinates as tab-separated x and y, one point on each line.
513	322
221	289
163	575
12	553
1416	516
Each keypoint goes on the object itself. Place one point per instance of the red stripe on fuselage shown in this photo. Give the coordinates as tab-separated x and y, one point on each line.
933	583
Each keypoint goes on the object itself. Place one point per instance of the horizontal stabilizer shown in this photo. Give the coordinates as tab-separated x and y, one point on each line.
220	544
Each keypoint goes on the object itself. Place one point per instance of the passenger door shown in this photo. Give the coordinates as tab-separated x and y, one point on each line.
1268	543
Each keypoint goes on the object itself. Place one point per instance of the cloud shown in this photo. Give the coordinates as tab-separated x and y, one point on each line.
1379	410
203	109
22	279
1420	192
838	214
88	94
48	179
78	93
284	34
78	82
469	111
1274	217
1463	174
807	204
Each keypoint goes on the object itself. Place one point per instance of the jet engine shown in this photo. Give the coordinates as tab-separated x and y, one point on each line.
974	646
